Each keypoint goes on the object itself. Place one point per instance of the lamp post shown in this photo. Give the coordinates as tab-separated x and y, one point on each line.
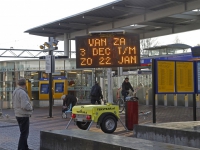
50	66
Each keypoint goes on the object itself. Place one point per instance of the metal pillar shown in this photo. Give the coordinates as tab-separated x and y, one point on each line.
66	44
194	108
110	89
50	82
153	90
120	73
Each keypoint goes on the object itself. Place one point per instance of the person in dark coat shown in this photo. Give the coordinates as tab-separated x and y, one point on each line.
125	88
96	95
67	100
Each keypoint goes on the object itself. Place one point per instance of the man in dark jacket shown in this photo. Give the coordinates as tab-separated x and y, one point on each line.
125	88
96	94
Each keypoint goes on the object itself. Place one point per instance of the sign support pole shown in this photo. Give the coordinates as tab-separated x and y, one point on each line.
196	80
52	69
119	73
194	107
50	66
50	89
110	90
50	79
153	90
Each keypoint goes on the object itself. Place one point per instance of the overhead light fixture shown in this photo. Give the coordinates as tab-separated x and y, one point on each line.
46	44
52	45
41	47
87	70
55	42
133	25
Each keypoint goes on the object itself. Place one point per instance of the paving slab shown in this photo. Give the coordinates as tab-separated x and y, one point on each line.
9	131
179	133
88	140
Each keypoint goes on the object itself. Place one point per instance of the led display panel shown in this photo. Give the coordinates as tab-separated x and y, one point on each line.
98	51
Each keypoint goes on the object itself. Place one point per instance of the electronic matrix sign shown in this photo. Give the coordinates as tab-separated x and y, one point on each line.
98	51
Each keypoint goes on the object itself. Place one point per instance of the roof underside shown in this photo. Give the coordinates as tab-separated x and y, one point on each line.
149	18
171	46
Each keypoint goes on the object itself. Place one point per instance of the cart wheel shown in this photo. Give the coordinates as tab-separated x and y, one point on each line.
83	125
109	124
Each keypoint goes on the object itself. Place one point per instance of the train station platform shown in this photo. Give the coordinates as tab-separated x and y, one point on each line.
180	133
9	130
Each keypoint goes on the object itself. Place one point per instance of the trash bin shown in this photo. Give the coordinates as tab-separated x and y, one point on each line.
131	113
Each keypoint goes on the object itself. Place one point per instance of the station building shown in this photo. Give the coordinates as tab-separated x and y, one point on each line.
146	19
80	81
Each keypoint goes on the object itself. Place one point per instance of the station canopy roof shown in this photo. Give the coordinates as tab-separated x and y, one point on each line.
149	18
171	46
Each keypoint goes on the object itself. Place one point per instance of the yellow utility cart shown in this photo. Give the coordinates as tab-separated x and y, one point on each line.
105	116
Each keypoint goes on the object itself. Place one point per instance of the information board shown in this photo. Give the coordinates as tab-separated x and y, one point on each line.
184	77
48	64
165	76
98	51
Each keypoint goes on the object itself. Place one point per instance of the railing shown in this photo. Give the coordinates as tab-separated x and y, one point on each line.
26	53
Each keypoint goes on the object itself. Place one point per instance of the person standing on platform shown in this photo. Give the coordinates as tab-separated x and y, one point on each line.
96	94
23	110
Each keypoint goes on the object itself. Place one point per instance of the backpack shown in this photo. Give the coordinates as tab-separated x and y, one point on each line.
94	91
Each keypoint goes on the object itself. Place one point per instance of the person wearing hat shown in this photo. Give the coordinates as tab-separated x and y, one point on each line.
23	110
125	88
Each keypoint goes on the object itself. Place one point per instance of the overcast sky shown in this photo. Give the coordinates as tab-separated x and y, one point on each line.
18	16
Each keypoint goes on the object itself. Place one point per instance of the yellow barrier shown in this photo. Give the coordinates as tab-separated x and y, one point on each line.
44	89
60	87
28	88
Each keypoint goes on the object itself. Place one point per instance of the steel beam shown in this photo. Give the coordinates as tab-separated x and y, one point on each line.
184	16
178	1
168	31
131	9
98	18
42	34
28	51
56	30
73	25
178	9
156	24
